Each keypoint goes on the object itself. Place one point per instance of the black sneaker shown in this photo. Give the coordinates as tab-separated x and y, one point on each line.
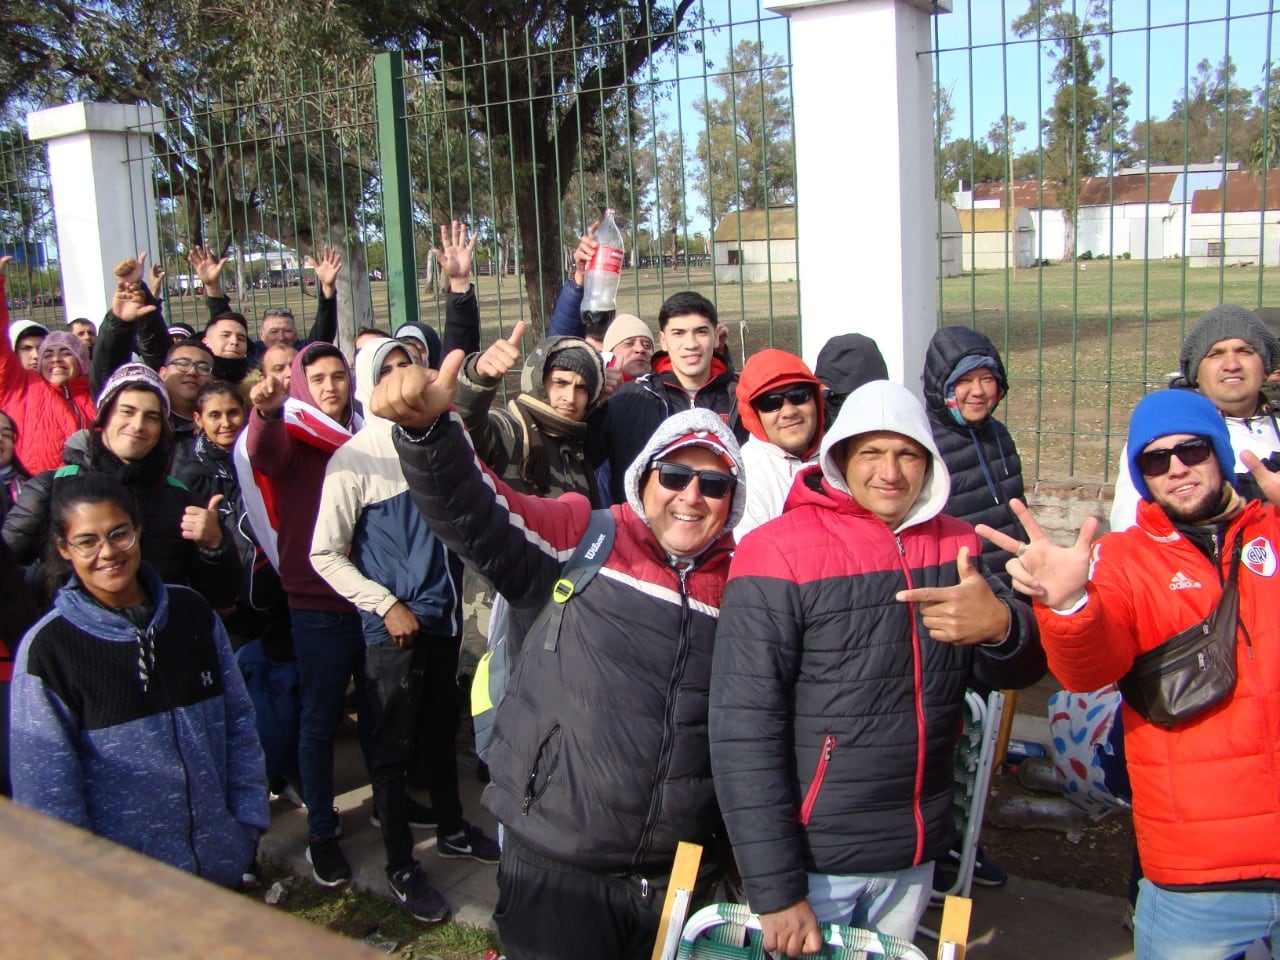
468	843
329	866
411	888
420	815
986	873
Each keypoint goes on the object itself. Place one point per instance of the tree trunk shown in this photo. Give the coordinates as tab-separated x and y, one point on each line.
355	309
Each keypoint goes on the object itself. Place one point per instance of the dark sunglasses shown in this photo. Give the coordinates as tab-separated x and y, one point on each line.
1155	463
713	484
772	402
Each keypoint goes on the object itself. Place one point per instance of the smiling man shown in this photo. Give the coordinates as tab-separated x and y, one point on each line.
686	373
780	404
187	368
595	779
851	626
1205	788
1227	357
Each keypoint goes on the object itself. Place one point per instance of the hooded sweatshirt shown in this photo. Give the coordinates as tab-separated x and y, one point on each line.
143	736
529	445
292	452
44	414
589	770
986	471
771	470
833	712
371	545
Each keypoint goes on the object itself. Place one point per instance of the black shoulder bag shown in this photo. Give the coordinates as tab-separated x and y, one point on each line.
1190	672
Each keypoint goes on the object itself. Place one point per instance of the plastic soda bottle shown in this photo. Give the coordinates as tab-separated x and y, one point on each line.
604	269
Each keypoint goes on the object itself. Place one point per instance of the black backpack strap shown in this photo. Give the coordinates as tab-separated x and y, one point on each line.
592	551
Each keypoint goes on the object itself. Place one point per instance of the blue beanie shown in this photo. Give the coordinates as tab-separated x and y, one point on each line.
1168	412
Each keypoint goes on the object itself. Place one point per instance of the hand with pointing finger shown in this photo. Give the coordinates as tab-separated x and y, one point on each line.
414	396
968	612
268	396
1053	575
201	524
502	356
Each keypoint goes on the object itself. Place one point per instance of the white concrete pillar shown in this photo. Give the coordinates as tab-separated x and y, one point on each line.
103	194
862	81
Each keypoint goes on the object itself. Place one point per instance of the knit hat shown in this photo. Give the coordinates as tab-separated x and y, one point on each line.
61	338
624	327
1168	412
131	376
1227	321
573	360
20	328
184	330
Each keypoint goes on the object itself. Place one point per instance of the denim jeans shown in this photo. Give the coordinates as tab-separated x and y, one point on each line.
330	651
890	903
1171	925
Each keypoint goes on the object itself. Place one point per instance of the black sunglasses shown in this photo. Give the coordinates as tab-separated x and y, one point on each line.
1155	463
713	484
772	402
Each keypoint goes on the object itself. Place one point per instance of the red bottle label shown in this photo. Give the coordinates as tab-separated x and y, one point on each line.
606	258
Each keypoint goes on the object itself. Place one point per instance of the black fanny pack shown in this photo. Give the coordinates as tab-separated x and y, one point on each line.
1193	670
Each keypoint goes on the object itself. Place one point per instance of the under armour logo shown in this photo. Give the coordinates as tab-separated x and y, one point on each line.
206	678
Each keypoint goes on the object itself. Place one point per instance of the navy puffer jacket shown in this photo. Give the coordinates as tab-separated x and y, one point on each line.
986	471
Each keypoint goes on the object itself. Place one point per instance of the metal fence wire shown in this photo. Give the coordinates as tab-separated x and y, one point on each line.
27	230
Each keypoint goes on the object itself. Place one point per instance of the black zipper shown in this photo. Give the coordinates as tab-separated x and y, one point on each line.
533	791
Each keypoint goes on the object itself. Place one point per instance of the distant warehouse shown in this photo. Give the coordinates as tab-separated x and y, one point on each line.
757	245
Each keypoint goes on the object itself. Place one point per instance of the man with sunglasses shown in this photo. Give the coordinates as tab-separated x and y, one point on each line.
1204	790
851	626
1227	357
780	404
599	759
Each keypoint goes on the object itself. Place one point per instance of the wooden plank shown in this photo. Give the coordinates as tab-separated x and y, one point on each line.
684	876
1006	728
953	934
70	895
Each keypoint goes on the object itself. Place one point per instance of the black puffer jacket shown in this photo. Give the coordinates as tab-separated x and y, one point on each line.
986	471
600	756
161	499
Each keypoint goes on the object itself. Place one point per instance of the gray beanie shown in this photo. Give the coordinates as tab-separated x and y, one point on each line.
1227	321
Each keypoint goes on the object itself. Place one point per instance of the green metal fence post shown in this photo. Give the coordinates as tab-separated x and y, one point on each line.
397	188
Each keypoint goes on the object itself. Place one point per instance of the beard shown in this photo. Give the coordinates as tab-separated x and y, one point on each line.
1209	505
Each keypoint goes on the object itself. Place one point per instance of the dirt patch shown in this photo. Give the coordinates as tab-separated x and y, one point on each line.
1099	862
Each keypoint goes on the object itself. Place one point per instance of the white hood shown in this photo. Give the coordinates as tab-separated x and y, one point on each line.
882	405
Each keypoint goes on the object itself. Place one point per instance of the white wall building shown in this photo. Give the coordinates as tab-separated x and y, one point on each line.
756	245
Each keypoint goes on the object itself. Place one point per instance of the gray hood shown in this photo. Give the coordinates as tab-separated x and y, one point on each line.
369	360
883	405
698	420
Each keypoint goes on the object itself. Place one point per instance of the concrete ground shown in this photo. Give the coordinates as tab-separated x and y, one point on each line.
1023	920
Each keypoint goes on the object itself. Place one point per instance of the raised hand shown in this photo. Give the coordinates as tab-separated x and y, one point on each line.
269	395
454	255
4	264
414	396
129	270
1268	481
966	613
201	524
157	279
327	269
1053	575
129	303
502	355
207	267
582	255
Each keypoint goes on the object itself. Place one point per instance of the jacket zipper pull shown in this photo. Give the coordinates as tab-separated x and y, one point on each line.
528	793
644	887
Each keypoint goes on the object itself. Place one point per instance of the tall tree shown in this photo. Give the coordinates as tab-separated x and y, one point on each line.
1213	118
745	146
1084	128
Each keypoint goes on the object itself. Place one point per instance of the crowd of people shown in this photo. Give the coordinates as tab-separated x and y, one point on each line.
740	608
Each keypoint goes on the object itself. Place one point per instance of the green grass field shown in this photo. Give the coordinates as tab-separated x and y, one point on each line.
1082	344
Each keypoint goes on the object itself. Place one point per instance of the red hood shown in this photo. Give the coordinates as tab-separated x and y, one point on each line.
662	364
765	372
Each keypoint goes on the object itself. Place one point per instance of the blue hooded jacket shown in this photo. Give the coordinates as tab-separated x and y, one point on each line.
144	737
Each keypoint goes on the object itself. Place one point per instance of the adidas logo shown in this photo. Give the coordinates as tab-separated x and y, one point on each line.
1181	581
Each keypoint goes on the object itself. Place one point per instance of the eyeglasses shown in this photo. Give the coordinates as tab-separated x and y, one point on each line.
186	365
122	538
772	402
1155	463
713	484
